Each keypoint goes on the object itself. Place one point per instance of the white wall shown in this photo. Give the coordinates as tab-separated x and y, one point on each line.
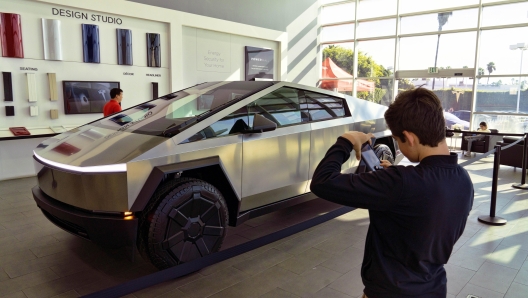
199	46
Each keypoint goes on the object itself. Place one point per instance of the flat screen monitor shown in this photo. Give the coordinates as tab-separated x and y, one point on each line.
85	97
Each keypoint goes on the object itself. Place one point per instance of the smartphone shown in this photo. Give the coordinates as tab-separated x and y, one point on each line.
369	158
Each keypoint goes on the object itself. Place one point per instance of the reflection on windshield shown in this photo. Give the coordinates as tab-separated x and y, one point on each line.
172	113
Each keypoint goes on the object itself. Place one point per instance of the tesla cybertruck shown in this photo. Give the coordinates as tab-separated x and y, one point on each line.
169	175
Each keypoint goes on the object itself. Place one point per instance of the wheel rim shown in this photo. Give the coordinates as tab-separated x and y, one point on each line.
194	227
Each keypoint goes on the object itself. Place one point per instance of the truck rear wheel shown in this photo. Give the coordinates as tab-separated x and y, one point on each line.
189	222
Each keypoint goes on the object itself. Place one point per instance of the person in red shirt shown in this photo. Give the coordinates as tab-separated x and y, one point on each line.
114	105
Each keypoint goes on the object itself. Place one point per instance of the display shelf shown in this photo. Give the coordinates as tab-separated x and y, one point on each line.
36	132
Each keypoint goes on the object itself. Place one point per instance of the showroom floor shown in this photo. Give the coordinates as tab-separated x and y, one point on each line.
38	259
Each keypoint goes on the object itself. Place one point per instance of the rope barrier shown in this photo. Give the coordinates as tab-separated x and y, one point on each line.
465	163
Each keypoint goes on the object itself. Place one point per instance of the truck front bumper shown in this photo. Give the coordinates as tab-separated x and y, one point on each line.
107	230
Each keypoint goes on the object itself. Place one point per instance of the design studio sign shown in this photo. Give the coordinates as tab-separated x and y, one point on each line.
85	16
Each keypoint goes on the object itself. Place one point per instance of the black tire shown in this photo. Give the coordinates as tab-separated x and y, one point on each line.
147	214
382	149
189	222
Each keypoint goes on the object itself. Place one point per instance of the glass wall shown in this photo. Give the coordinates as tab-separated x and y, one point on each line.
453	50
382	51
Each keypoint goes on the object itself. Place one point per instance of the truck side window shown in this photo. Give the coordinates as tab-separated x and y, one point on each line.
323	107
281	106
233	123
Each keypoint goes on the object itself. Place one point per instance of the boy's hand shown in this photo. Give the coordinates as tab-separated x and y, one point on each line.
357	138
385	163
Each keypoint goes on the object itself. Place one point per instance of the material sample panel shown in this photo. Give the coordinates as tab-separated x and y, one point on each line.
52	80
91	48
11	35
8	86
54	113
51	34
124	47
33	111
10	110
153	50
32	87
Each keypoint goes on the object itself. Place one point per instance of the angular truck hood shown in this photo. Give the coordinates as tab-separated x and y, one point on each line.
89	146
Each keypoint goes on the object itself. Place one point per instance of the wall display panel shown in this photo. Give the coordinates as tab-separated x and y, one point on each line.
259	63
31	87
454	20
82	97
10	110
124	47
455	50
52	80
8	86
153	50
91	47
11	35
51	34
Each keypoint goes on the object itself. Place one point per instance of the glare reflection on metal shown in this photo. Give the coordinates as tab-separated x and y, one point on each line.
114	168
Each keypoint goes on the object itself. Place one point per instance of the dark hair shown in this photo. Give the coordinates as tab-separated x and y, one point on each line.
483	123
418	111
115	92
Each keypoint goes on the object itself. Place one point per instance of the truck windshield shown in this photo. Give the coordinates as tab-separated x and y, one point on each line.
169	114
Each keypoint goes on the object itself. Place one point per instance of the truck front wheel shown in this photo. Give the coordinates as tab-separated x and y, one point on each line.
190	222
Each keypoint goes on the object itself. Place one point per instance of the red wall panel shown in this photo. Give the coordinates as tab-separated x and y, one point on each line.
11	35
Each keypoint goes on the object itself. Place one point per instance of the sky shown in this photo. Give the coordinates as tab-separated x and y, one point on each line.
455	49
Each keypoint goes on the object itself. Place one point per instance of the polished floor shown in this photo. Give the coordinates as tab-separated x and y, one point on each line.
38	259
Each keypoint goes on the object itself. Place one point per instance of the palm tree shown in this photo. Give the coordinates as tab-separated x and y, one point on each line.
442	20
480	73
491	68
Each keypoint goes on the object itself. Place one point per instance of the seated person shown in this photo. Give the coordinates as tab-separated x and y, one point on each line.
470	139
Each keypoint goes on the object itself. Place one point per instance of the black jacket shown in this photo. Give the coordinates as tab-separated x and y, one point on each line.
417	213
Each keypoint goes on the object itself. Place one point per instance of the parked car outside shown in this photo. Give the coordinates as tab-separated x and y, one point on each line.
463	114
172	173
452	119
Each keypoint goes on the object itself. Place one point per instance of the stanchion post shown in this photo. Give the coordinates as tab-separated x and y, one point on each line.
492	219
523	184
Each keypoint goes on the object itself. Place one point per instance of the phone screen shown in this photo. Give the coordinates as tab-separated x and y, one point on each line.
369	157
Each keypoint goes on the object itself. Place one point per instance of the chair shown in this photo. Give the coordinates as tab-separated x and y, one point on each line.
512	156
480	146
